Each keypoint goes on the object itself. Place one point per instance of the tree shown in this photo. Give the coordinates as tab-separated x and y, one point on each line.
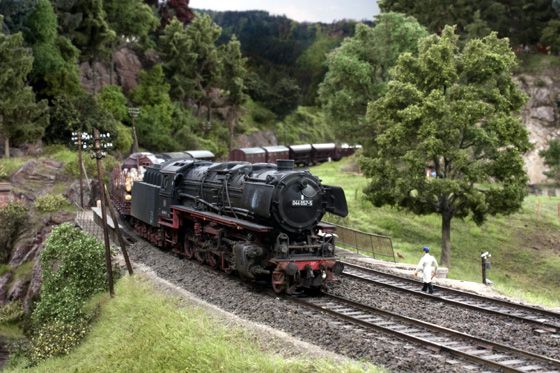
478	28
15	14
21	117
130	19
551	35
454	110
55	58
358	69
191	61
85	23
234	75
552	160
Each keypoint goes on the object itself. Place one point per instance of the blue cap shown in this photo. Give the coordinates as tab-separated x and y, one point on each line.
426	249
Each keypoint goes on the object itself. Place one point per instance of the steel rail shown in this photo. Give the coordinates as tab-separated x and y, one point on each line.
496	355
544	318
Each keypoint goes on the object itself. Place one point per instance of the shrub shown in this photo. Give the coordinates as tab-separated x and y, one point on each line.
73	270
56	338
13	220
51	202
11	312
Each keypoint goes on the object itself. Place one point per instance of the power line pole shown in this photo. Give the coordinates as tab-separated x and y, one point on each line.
78	138
134	112
98	154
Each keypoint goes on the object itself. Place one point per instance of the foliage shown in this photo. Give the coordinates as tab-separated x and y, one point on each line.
13	221
55	69
8	166
50	202
132	19
152	89
551	35
552	160
111	99
11	312
305	125
85	23
56	338
522	21
140	318
15	14
234	74
21	118
78	113
73	270
358	70
190	59
455	110
478	28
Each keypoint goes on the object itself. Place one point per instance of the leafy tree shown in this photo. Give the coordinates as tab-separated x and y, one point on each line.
55	58
551	35
234	75
85	23
191	60
130	18
455	110
77	113
15	14
152	88
552	160
478	28
155	124
358	69
21	117
112	99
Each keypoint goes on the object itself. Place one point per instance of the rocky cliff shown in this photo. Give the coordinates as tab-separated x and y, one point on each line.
541	115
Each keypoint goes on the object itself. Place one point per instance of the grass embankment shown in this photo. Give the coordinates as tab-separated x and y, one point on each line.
141	330
525	246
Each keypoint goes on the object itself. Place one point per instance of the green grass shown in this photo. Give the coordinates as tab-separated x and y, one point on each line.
141	330
524	246
536	63
8	166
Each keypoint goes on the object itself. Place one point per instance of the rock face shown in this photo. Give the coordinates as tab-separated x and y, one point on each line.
541	116
260	138
126	67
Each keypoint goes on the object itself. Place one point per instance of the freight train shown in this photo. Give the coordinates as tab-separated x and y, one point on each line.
260	220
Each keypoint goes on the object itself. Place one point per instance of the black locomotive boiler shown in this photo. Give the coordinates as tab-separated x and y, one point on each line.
261	220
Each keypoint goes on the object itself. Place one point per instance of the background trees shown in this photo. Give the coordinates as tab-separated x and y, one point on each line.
552	160
21	117
453	110
358	70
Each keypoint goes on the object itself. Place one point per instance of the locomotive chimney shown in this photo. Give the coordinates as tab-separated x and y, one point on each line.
285	164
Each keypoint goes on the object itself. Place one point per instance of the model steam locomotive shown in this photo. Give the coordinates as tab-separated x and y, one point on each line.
261	220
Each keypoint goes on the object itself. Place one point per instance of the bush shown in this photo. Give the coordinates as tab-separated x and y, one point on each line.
56	338
13	220
73	267
51	202
11	312
8	166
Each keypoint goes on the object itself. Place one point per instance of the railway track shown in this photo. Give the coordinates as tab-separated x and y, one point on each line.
437	338
548	321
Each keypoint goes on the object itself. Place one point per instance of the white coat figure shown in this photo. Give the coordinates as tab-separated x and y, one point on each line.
428	266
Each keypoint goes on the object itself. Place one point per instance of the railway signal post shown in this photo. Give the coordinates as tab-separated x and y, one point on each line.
100	144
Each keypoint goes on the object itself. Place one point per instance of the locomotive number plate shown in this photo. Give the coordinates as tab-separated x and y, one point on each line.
302	203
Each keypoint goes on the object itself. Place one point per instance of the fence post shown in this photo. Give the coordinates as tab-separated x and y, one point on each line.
356	241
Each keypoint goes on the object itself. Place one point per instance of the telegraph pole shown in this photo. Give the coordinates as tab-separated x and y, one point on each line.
134	112
98	153
118	231
78	139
